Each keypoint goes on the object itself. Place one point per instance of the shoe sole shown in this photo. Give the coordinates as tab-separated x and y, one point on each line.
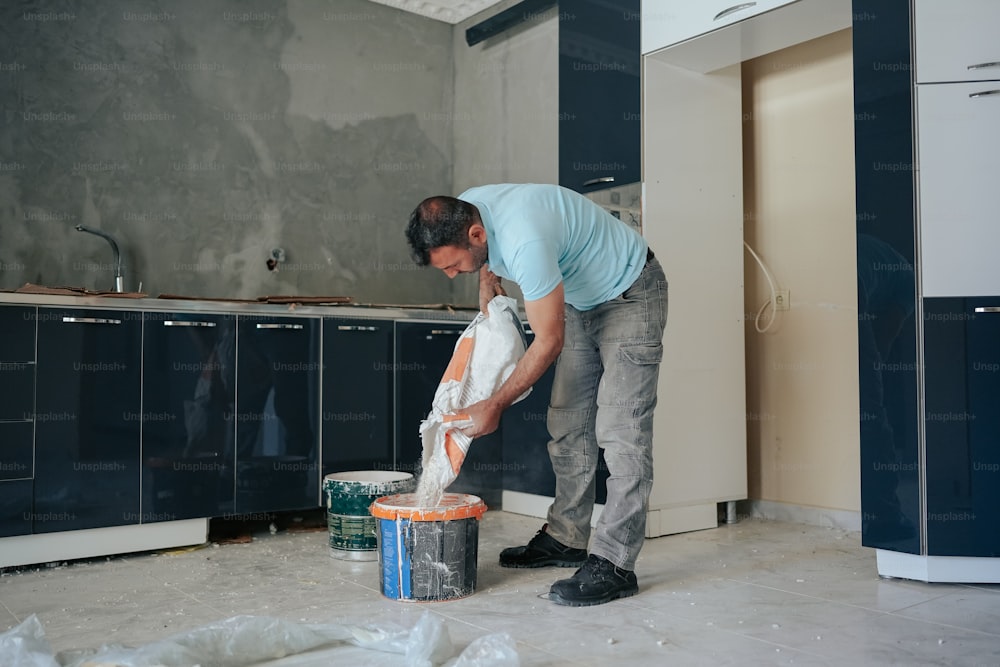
545	563
590	603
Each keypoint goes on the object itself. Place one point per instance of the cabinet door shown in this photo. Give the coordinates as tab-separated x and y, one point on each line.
17	363
957	40
357	395
15	507
423	351
277	414
17	330
959	148
962	422
599	95
17	393
87	419
669	22
188	389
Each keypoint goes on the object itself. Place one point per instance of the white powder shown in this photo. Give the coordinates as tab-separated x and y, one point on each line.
435	475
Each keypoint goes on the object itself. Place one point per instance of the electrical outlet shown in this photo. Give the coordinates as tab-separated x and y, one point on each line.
782	300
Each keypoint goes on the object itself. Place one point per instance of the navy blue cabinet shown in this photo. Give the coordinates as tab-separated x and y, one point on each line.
886	242
113	418
277	414
188	429
357	395
962	425
17	423
423	351
87	419
599	94
929	350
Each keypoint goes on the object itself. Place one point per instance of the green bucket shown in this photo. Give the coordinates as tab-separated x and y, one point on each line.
349	495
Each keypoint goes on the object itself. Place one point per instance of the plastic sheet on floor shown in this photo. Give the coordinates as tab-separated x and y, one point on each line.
260	640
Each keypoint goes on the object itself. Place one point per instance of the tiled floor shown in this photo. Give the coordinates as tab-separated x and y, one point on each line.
752	593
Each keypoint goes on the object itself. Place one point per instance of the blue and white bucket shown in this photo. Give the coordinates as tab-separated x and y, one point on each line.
428	553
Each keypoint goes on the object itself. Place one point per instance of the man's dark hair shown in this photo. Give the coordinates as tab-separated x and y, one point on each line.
436	222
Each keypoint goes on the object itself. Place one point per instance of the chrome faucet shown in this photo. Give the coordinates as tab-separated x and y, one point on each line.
119	278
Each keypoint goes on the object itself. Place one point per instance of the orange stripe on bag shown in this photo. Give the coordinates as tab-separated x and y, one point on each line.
459	360
455	454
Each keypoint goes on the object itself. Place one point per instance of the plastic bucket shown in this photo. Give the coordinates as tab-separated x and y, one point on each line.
428	553
349	496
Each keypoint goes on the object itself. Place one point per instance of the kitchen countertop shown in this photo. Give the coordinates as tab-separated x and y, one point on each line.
111	301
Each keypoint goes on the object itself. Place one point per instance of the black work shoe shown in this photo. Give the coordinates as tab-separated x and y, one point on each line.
597	582
542	550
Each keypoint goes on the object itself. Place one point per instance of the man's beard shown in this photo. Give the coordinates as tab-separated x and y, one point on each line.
479	256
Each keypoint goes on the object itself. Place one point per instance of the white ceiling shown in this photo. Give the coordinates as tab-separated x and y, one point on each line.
449	11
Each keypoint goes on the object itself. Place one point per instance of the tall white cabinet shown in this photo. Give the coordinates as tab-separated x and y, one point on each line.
693	220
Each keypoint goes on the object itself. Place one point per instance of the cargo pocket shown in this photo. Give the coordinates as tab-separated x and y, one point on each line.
644	354
640	372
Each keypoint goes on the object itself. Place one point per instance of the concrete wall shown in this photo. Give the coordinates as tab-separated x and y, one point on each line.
802	375
204	134
506	126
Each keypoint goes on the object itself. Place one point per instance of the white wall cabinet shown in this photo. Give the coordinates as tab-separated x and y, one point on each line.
958	145
708	36
670	22
957	41
959	158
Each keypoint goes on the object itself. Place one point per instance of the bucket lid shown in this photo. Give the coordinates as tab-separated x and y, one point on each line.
368	476
452	506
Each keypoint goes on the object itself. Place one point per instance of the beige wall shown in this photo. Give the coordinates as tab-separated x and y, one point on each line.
802	379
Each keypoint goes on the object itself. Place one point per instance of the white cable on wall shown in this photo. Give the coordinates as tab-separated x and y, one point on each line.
772	301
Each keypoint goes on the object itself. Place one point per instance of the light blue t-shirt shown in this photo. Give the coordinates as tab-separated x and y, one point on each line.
539	235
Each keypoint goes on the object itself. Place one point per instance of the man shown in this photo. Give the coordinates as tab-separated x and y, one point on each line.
596	299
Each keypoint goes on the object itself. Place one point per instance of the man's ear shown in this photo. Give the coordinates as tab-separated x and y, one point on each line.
477	234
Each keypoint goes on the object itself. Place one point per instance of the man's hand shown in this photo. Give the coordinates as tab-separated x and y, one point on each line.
489	287
485	416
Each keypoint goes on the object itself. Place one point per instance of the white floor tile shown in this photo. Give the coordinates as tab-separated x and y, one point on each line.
752	593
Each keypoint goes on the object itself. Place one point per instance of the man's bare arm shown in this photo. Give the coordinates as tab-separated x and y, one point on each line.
546	316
